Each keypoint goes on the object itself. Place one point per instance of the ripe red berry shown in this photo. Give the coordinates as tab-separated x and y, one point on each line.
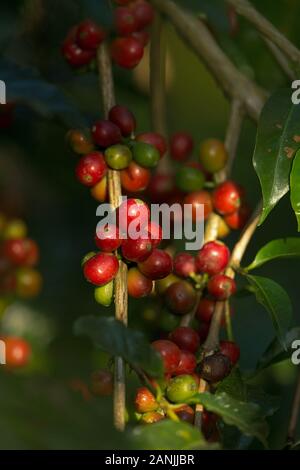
89	35
91	168
231	350
123	118
127	52
145	401
227	197
135	178
170	354
155	139
212	258
184	264
157	266
138	285
133	214
154	232
76	56
186	338
181	146
142	36
101	269
161	187
102	383
221	287
21	251
106	133
108	238
205	310
180	297
187	363
238	219
143	12
197	199
136	250
125	21
17	352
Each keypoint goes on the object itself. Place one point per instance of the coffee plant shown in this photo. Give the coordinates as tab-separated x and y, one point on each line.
175	373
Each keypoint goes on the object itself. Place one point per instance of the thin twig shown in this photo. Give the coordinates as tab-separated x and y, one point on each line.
197	35
266	28
115	194
280	59
203	386
295	412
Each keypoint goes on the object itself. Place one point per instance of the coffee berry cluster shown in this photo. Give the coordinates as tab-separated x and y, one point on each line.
128	38
19	278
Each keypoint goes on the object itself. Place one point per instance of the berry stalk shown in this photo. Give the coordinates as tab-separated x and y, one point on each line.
115	195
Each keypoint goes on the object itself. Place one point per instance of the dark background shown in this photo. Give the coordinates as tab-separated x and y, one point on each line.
39	408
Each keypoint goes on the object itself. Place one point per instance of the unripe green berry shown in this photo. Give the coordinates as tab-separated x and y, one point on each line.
181	388
104	294
118	157
145	154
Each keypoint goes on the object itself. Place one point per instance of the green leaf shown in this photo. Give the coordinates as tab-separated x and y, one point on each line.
113	337
169	435
276	301
276	144
247	417
233	385
276	249
295	187
275	352
268	404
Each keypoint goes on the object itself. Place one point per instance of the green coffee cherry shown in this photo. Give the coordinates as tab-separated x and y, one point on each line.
189	179
104	294
181	388
88	256
118	157
145	154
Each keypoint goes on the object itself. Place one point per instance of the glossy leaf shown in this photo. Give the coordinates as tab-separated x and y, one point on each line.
247	417
295	187
276	144
275	352
276	249
233	385
169	435
113	337
276	301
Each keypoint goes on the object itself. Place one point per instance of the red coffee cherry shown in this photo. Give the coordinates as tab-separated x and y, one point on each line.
145	401
127	52
155	139
154	232
187	363
91	168
205	310
123	118
170	354
17	352
138	285
142	36
184	264
89	35
106	133
108	238
21	251
102	383
137	250
231	350
157	266
221	287
143	13
161	187
181	146
79	142
185	413
73	53
180	298
227	197
135	178
125	21
101	269
215	367
100	191
238	219
212	258
197	199
133	211
186	338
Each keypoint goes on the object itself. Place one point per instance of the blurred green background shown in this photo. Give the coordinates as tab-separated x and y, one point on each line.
40	407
